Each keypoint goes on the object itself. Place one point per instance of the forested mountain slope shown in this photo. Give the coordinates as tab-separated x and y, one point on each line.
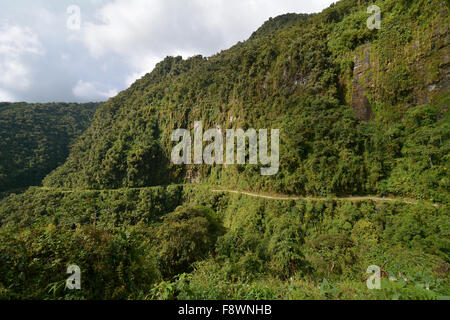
186	242
360	111
36	138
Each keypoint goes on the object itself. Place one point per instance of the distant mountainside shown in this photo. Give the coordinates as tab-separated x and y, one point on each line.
360	111
36	138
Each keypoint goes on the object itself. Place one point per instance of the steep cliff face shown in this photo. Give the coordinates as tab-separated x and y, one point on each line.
406	66
440	45
360	84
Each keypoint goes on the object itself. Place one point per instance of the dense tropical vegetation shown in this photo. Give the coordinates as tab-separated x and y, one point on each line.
361	112
184	242
299	80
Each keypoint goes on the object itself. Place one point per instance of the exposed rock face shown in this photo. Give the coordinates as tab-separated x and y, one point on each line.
360	103
440	42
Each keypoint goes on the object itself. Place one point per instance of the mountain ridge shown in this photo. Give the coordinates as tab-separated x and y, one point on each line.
305	74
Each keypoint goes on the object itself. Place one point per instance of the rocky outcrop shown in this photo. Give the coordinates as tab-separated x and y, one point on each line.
360	103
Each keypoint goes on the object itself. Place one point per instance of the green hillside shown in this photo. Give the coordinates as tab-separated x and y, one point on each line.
317	81
186	242
363	180
35	139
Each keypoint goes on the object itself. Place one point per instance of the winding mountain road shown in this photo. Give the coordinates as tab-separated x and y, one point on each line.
360	198
266	196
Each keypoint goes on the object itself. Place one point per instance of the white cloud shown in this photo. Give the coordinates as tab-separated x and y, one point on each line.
92	91
119	40
148	30
16	45
141	67
6	96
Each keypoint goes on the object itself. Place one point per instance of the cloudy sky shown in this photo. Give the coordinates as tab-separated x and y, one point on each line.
88	50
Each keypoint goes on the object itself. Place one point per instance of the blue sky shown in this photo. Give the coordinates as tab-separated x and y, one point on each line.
45	55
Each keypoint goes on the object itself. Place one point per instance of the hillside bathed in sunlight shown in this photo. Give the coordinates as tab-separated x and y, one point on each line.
363	178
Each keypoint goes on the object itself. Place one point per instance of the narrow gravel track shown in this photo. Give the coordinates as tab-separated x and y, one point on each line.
265	196
354	199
